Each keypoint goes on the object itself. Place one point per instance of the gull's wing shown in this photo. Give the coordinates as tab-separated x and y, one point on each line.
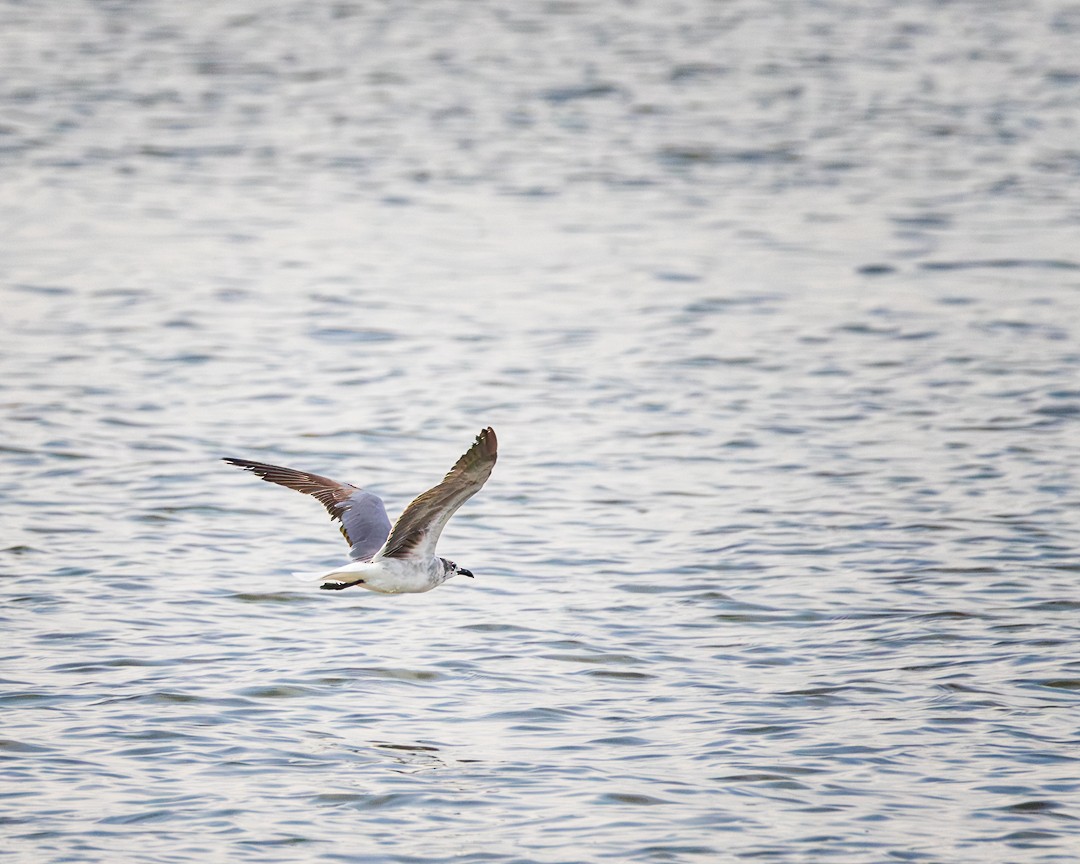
363	518
417	530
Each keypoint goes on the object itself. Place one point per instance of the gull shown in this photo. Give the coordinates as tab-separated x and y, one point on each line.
401	560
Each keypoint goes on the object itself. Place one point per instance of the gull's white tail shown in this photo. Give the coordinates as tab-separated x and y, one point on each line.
349	572
309	576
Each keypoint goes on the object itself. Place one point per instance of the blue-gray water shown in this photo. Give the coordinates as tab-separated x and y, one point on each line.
775	308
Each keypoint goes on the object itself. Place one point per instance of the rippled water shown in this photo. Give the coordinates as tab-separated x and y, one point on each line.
775	309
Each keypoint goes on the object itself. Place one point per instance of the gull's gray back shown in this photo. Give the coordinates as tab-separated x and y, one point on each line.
366	524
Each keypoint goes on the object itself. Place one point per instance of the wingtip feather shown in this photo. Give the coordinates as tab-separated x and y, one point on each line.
488	441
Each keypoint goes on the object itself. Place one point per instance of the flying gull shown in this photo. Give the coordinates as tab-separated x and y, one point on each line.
401	560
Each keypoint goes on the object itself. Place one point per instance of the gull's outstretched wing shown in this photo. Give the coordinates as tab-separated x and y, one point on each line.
417	530
363	518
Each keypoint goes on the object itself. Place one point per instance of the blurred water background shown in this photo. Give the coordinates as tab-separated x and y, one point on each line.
775	309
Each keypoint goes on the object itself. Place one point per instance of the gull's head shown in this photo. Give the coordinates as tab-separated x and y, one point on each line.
452	569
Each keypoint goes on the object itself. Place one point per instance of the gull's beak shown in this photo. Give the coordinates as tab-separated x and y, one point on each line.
468	573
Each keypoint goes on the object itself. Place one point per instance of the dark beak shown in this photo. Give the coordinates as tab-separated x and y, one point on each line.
468	573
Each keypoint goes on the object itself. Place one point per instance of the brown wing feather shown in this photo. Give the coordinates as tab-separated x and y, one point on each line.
423	520
331	494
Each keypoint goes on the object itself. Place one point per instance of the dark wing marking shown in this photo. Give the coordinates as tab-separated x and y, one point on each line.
417	530
364	522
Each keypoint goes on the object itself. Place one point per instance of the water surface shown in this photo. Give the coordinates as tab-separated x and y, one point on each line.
774	309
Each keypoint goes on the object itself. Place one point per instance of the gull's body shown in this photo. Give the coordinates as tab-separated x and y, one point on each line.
389	575
400	560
